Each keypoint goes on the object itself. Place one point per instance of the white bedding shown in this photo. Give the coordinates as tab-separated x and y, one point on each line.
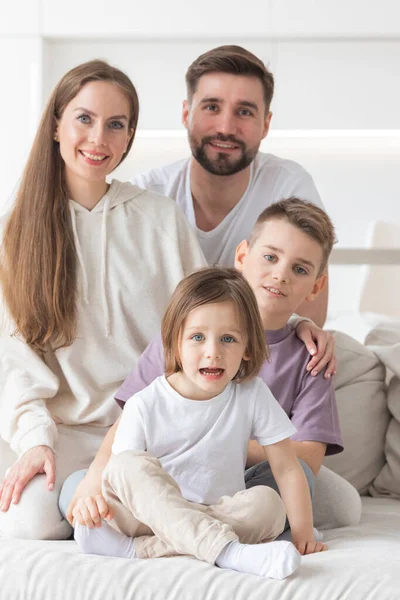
362	564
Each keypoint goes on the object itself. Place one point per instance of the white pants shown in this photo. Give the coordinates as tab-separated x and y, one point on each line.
37	516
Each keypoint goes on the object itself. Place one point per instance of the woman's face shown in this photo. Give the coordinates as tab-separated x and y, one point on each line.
93	132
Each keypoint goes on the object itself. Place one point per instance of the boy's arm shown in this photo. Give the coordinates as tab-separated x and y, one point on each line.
88	493
311	452
295	494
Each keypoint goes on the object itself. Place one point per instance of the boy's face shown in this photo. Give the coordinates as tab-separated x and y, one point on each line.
282	267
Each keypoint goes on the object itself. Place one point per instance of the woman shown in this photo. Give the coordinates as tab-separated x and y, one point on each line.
86	272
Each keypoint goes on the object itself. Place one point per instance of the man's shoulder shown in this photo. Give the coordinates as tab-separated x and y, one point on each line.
162	179
270	162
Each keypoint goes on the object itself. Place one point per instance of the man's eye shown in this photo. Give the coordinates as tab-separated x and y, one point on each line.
245	112
211	107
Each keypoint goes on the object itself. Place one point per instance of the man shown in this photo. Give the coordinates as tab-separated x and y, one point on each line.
227	182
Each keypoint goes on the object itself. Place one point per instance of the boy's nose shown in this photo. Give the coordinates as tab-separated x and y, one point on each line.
280	275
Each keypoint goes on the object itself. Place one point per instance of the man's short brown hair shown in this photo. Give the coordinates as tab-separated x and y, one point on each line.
307	217
206	286
230	59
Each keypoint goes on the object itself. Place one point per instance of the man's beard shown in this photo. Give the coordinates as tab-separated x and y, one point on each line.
223	164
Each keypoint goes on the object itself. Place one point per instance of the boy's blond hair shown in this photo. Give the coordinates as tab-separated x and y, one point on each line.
206	286
307	217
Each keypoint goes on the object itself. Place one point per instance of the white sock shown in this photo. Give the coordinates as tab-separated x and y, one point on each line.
274	559
318	535
104	540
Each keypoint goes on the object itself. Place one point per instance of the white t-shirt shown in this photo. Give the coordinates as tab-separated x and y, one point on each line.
202	444
271	179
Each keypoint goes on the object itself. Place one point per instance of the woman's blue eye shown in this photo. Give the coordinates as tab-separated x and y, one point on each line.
198	337
84	119
116	125
228	339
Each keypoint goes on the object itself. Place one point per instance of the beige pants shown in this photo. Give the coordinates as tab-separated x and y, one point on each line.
37	516
148	505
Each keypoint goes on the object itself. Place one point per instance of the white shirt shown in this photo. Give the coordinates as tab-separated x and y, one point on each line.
202	444
271	179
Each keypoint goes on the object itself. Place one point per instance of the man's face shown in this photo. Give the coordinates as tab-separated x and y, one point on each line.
226	121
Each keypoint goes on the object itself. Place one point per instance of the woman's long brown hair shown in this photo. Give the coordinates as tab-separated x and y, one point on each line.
38	260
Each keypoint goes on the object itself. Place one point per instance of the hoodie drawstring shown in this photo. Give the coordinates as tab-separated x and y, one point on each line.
104	265
103	273
79	254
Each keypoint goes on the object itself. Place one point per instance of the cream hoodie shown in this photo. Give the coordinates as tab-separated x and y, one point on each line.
133	248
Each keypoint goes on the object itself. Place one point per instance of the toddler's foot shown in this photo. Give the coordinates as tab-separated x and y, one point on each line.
104	540
274	559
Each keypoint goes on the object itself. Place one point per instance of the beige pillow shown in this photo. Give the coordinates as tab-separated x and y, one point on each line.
385	342
388	481
363	413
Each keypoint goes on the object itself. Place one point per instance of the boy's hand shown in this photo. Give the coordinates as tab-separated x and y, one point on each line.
310	546
321	345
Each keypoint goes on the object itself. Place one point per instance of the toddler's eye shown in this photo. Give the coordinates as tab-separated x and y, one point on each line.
228	339
198	337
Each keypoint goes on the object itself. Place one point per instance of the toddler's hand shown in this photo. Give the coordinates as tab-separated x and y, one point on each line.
90	510
310	546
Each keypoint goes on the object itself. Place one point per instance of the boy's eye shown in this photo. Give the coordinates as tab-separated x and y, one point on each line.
228	339
300	270
198	337
84	119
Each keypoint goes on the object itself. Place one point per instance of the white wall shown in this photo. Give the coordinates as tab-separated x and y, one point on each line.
336	64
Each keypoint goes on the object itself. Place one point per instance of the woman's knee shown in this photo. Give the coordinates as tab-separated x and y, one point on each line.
36	516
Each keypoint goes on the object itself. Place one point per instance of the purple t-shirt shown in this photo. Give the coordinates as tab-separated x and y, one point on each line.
308	401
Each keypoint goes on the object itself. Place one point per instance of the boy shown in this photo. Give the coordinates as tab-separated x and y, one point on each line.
284	262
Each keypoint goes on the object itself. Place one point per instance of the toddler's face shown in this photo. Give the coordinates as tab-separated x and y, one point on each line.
212	346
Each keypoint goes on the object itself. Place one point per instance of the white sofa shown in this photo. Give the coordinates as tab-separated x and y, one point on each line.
362	562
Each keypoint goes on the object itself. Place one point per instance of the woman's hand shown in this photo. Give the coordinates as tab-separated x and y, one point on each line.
309	546
39	459
88	506
321	345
